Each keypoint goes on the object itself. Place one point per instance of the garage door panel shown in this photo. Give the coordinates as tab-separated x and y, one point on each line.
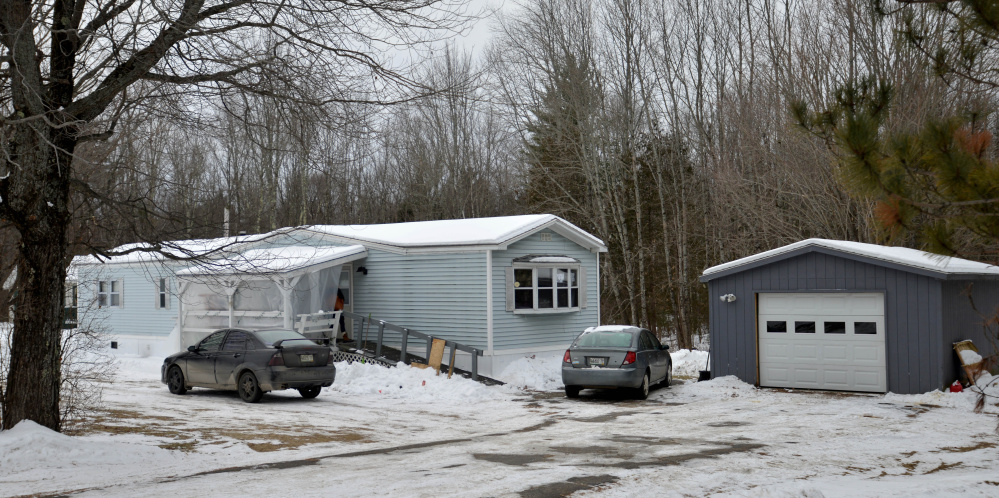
870	379
777	374
869	354
805	352
832	341
835	353
836	379
776	352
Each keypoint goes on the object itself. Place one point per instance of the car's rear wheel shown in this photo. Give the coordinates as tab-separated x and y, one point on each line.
309	392
175	380
572	391
248	388
642	392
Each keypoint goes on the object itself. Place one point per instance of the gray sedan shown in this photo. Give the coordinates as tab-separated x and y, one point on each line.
616	356
252	363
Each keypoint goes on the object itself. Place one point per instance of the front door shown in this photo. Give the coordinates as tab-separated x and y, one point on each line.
346	287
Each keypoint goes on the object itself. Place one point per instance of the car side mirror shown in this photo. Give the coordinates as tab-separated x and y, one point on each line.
193	349
665	347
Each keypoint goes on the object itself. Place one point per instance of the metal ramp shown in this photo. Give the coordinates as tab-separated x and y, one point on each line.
369	342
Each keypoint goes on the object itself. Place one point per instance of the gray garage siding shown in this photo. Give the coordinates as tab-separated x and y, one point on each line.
913	319
962	321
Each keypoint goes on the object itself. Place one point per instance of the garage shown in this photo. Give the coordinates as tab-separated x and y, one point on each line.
847	316
831	341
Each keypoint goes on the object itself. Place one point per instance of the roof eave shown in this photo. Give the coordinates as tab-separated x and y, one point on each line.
749	265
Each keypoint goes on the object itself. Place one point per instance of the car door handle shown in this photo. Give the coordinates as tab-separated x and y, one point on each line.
236	355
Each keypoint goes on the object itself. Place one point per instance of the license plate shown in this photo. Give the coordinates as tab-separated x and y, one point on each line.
306	358
598	362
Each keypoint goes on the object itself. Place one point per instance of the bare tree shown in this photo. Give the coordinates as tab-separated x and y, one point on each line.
71	69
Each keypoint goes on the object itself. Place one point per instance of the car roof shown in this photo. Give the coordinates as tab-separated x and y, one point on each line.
614	328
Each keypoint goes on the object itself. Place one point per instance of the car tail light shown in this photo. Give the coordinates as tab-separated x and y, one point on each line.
276	361
566	358
629	358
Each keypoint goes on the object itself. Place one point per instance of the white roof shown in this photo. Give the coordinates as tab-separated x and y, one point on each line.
464	232
270	260
897	255
176	248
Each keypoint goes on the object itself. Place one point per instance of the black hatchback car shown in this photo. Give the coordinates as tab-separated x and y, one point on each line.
252	362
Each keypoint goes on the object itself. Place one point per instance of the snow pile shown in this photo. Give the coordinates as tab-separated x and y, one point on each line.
688	363
970	357
989	384
406	382
541	372
728	386
31	449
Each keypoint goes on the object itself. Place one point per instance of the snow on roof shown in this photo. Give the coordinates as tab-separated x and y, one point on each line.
175	248
463	232
897	255
276	260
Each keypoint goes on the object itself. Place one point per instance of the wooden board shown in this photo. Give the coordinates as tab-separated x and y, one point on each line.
972	370
437	354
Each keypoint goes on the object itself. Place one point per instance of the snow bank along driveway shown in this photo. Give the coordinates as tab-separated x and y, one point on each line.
404	432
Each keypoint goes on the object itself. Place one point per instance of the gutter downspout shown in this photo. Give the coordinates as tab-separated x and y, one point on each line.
598	287
489	302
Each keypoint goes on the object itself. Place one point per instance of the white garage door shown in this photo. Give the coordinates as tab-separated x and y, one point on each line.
832	341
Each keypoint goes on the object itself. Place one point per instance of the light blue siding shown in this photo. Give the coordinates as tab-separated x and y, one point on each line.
138	313
439	294
517	331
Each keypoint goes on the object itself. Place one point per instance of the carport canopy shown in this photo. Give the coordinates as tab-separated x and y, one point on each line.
260	287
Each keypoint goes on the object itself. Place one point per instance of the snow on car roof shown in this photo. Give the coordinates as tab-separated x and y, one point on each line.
897	255
612	328
463	232
277	260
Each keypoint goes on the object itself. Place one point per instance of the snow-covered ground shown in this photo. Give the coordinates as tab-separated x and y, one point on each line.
407	432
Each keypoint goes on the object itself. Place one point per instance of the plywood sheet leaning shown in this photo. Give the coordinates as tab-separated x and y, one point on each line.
437	354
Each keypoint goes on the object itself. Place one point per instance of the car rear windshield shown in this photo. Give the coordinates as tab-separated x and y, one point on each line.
269	337
604	340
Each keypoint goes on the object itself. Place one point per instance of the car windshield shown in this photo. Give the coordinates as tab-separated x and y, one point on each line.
269	337
604	340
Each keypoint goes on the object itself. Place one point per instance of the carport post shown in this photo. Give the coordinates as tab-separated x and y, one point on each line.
405	342
475	364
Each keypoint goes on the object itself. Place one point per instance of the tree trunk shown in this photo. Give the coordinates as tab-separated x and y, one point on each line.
39	195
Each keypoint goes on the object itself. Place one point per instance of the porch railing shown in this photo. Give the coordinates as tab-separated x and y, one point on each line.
365	323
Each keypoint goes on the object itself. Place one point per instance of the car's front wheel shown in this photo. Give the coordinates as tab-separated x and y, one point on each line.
310	392
248	388
572	391
175	380
643	391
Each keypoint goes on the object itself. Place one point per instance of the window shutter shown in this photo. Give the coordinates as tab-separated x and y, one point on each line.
121	292
582	287
509	288
156	293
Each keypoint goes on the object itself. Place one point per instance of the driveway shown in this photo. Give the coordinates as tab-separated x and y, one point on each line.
692	439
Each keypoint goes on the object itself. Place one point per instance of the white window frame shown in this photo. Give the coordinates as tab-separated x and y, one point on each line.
108	291
554	267
162	293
